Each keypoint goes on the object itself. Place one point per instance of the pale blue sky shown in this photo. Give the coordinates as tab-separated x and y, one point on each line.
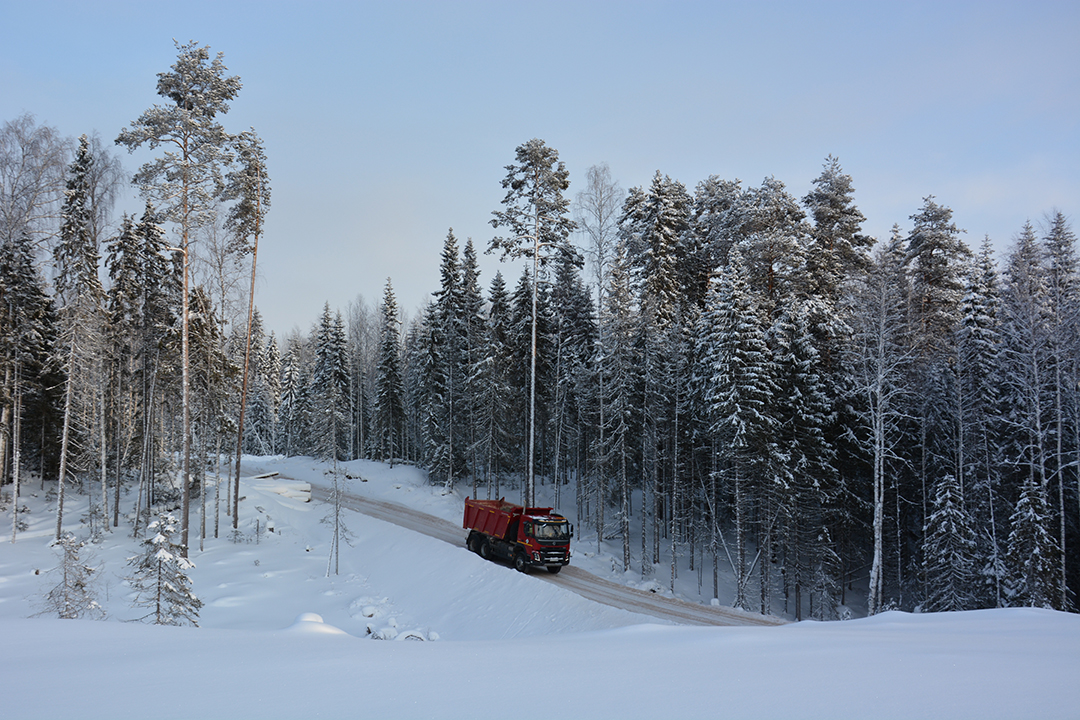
388	123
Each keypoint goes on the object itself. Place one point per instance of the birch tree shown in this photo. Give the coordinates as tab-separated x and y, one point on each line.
33	169
596	209
880	361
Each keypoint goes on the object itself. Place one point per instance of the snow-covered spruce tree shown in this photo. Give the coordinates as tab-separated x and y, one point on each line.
290	418
389	416
211	401
773	244
655	225
740	385
1025	358
263	384
434	389
936	256
415	356
475	350
490	377
949	551
519	339
837	257
28	339
573	337
160	577
73	597
270	361
82	314
186	181
621	367
937	259
141	316
535	216
447	440
806	481
249	358
329	382
978	374
330	385
716	224
1063	286
1031	560
826	581
838	248
122	305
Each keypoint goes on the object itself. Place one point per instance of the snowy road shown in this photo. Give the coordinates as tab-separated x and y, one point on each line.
572	578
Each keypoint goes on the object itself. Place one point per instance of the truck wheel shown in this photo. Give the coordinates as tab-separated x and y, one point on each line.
554	569
520	563
474	543
485	549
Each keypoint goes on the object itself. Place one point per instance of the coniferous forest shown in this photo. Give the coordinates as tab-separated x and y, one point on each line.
725	373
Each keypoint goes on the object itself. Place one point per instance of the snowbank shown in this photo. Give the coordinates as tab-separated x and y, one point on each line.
281	639
989	664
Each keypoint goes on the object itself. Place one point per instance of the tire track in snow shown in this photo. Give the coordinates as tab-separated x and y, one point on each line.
582	582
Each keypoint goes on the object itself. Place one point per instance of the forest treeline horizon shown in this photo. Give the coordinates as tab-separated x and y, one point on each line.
730	375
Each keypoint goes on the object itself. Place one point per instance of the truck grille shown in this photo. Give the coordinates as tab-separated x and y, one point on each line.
552	557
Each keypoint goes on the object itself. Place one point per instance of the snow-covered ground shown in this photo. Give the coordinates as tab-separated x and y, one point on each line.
278	638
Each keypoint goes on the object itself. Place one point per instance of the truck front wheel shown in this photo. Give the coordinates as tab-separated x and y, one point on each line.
520	563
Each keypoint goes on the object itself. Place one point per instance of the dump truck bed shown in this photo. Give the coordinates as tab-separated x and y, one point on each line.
493	517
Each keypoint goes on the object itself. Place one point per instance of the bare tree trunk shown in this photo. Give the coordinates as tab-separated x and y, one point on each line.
104	461
65	439
624	510
741	577
217	486
876	565
16	442
247	363
185	471
5	423
530	486
644	511
122	450
1058	462
675	495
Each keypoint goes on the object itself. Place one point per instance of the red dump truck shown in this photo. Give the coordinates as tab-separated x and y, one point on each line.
527	537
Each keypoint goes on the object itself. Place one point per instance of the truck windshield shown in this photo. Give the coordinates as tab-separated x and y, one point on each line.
551	530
